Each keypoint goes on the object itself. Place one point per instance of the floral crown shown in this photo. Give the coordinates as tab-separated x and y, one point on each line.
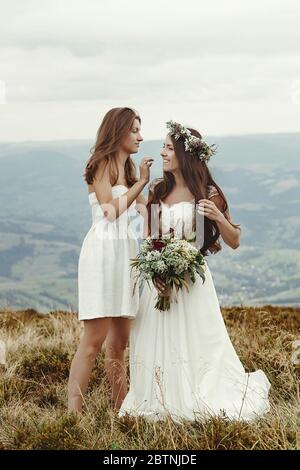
194	145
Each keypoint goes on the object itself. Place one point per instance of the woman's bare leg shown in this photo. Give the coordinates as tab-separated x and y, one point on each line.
115	345
95	332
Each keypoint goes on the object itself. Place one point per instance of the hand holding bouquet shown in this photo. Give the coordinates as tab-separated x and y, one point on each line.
174	261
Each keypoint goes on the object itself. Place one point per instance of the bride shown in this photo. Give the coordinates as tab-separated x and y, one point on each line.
182	361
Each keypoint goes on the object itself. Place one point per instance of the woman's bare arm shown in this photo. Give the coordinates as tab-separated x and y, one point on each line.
229	233
141	200
114	207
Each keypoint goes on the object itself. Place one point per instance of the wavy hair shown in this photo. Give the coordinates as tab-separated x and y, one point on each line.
115	126
197	177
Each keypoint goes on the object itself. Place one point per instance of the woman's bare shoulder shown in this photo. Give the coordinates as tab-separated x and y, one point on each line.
212	191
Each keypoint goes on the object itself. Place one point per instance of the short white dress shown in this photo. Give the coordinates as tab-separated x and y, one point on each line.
105	280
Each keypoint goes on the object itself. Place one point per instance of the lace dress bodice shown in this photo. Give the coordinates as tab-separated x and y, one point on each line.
181	217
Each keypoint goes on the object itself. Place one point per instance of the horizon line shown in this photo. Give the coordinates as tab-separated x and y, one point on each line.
70	139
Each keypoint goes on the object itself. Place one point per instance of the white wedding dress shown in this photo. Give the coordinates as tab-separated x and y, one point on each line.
182	361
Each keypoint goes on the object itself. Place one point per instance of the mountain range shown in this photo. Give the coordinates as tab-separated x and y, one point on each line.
44	216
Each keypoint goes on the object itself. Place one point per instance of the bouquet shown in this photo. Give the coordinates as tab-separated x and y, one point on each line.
174	261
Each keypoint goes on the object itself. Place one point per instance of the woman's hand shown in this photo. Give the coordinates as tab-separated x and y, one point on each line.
230	234
209	209
145	165
161	287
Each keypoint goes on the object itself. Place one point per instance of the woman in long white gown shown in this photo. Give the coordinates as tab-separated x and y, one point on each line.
182	361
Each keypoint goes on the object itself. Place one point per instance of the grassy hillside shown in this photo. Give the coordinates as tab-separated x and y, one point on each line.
33	389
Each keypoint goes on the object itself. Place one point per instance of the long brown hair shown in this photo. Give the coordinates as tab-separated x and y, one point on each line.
197	177
116	124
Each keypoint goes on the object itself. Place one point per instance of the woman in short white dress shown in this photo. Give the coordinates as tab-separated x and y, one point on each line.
106	303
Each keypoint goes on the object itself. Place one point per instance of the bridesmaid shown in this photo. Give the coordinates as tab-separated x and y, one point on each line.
106	303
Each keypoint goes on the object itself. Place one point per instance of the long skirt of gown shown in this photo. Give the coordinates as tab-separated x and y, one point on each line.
183	364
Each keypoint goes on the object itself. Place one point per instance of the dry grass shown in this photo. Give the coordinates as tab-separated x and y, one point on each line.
33	389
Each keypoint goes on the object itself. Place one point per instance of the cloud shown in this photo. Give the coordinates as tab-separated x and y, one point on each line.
284	185
192	27
174	56
49	73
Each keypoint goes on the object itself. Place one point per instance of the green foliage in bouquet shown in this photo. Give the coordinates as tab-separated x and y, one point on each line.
174	261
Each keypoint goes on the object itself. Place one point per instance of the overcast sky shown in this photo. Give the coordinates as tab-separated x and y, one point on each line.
223	66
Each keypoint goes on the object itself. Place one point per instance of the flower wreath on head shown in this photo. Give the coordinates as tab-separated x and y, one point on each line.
195	145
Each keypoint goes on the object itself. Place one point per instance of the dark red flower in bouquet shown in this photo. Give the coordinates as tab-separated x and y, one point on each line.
157	245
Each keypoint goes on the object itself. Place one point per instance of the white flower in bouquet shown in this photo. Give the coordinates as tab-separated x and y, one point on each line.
174	261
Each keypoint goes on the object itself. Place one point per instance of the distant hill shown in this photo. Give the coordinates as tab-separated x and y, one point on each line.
44	215
243	150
